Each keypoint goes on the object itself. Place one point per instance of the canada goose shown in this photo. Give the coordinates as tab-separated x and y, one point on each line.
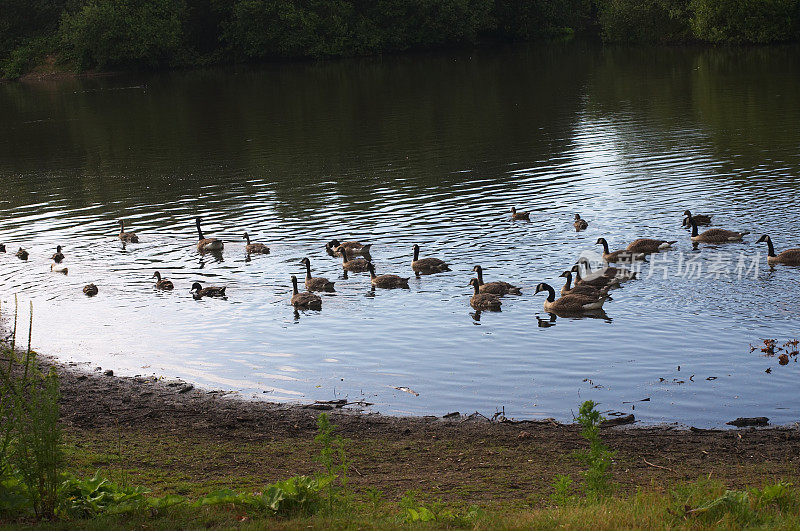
386	281
353	248
55	268
127	237
584	289
316	283
59	256
622	274
618	256
715	235
497	287
580	224
788	257
90	290
356	265
206	244
483	301
305	300
427	265
569	303
515	216
199	291
22	254
700	219
598	281
163	283
649	245
254	248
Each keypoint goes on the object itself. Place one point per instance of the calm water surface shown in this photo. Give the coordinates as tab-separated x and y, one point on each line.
428	149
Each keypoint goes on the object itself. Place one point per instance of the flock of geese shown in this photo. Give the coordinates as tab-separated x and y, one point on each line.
588	293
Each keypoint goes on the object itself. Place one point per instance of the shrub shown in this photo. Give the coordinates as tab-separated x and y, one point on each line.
644	21
527	19
106	33
745	21
598	458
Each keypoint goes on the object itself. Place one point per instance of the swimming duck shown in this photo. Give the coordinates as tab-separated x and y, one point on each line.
211	291
649	245
516	216
356	265
483	301
787	257
700	219
59	256
386	281
569	304
162	283
715	235
584	289
206	244
127	237
90	290
316	283
254	248
306	300
497	287
55	268
353	248
597	281
618	256
622	274
22	254
427	265
2	247
580	224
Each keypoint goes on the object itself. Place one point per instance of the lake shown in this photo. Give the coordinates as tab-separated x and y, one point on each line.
431	149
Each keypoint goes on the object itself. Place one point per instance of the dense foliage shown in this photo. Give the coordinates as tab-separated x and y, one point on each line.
167	33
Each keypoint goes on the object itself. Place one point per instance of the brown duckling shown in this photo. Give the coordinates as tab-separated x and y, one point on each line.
387	281
198	291
580	223
787	257
518	216
715	235
2	247
59	256
162	283
483	301
206	244
496	288
22	254
90	290
305	300
427	265
254	248
316	283
569	304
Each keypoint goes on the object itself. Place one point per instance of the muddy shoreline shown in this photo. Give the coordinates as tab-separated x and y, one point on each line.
170	434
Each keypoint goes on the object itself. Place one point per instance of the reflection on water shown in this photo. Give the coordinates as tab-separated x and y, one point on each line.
426	149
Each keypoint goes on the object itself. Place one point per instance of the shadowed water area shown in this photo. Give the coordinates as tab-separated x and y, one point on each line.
431	149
